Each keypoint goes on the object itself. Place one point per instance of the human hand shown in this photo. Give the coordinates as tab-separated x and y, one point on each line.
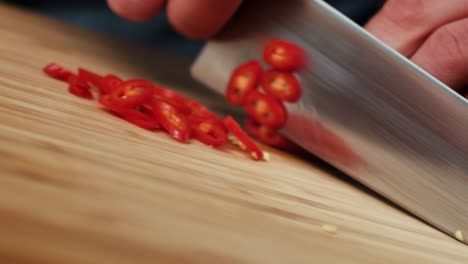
431	33
192	18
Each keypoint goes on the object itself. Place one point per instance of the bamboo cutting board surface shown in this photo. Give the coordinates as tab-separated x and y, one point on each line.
78	185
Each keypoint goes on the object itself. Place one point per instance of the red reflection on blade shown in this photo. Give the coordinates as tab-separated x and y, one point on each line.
322	142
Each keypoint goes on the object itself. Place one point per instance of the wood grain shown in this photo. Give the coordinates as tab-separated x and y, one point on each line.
78	185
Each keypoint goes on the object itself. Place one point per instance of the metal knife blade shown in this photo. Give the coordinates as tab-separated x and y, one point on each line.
365	109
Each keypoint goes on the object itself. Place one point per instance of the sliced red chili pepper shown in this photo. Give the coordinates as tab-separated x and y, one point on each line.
195	111
209	132
89	77
265	109
80	92
167	93
146	109
105	101
132	93
199	111
284	55
268	135
175	99
79	88
140	119
235	129
204	113
108	83
191	108
172	120
282	85
73	79
58	72
244	79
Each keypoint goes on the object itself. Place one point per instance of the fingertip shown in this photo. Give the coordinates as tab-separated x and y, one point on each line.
136	10
200	19
182	26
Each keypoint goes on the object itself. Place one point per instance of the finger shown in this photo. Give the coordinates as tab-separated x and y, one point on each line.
200	18
405	24
136	10
445	54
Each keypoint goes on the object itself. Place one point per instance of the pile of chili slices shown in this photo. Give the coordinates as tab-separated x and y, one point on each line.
149	106
152	107
263	92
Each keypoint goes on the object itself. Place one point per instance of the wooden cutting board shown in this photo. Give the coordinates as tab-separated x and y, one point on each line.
78	185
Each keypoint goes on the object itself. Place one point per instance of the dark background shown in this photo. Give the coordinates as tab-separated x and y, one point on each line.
95	15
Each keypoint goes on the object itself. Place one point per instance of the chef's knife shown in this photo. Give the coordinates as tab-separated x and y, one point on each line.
365	109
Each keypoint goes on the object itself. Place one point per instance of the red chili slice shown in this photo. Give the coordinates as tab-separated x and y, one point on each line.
244	79
199	111
132	93
235	129
79	87
140	119
284	55
265	109
58	72
89	77
108	83
167	93
105	101
186	106
172	120
146	109
282	85
209	132
175	99
203	113
80	92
